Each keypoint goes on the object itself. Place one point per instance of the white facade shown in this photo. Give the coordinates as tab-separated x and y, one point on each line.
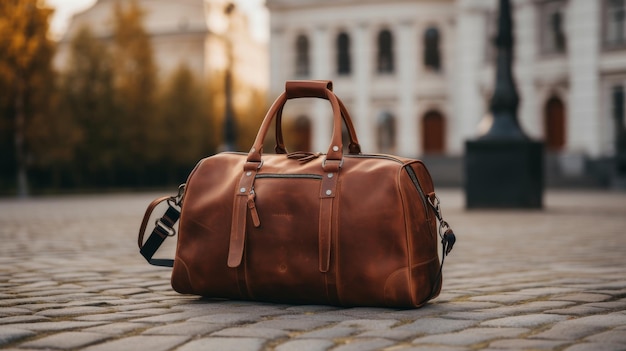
570	62
191	32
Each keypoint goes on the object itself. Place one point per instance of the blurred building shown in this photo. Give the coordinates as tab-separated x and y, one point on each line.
197	33
417	76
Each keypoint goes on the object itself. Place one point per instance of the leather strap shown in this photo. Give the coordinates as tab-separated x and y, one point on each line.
163	228
328	190
240	210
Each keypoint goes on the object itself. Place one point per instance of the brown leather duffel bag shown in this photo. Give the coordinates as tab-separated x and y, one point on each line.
342	229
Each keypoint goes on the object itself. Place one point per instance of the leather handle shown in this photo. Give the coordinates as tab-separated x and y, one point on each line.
353	147
297	89
308	88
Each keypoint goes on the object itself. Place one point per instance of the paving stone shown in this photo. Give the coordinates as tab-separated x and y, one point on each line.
615	336
224	344
430	348
582	297
528	307
502	298
184	328
226	318
323	317
430	326
55	326
369	324
171	317
105	317
290	324
328	333
526	344
12	311
251	332
66	340
23	319
530	320
71	311
305	345
364	345
391	334
596	347
117	328
9	334
152	343
471	336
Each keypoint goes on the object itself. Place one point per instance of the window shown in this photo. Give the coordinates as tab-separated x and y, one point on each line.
385	52
552	27
343	54
302	56
433	133
614	23
386	133
554	124
432	56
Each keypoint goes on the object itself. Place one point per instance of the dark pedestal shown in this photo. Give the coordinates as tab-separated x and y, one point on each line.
503	174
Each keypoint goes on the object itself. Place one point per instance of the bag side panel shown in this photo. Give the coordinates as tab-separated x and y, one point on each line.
204	233
422	229
370	251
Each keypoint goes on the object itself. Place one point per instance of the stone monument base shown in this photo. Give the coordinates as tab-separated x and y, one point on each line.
503	174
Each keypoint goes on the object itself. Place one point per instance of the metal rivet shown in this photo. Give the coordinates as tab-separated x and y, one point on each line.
330	175
242	190
328	192
335	148
248	173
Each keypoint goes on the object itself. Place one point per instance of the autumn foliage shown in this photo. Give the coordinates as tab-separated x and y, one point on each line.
108	120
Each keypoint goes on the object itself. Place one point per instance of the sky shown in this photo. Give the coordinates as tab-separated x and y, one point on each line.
64	9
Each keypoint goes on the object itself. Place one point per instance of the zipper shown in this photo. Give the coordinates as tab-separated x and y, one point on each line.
416	182
383	157
296	176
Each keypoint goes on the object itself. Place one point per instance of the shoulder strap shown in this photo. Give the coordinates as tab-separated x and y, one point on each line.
163	228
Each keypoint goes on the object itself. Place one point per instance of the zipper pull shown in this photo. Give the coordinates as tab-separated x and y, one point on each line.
252	206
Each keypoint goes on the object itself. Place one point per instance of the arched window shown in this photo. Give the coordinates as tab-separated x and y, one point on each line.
386	133
301	140
433	133
432	55
302	56
343	54
385	51
554	124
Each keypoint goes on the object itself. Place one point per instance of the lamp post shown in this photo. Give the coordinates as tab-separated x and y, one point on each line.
503	166
229	132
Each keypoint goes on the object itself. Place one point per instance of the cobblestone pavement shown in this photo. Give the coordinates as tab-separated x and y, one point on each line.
71	278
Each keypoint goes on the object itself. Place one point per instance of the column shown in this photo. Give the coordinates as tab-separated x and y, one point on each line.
278	63
362	56
406	119
469	107
583	123
320	62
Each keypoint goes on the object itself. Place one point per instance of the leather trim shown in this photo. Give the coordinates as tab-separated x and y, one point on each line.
238	223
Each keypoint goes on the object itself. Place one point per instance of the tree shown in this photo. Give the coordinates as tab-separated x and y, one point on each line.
186	122
88	97
25	67
135	85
